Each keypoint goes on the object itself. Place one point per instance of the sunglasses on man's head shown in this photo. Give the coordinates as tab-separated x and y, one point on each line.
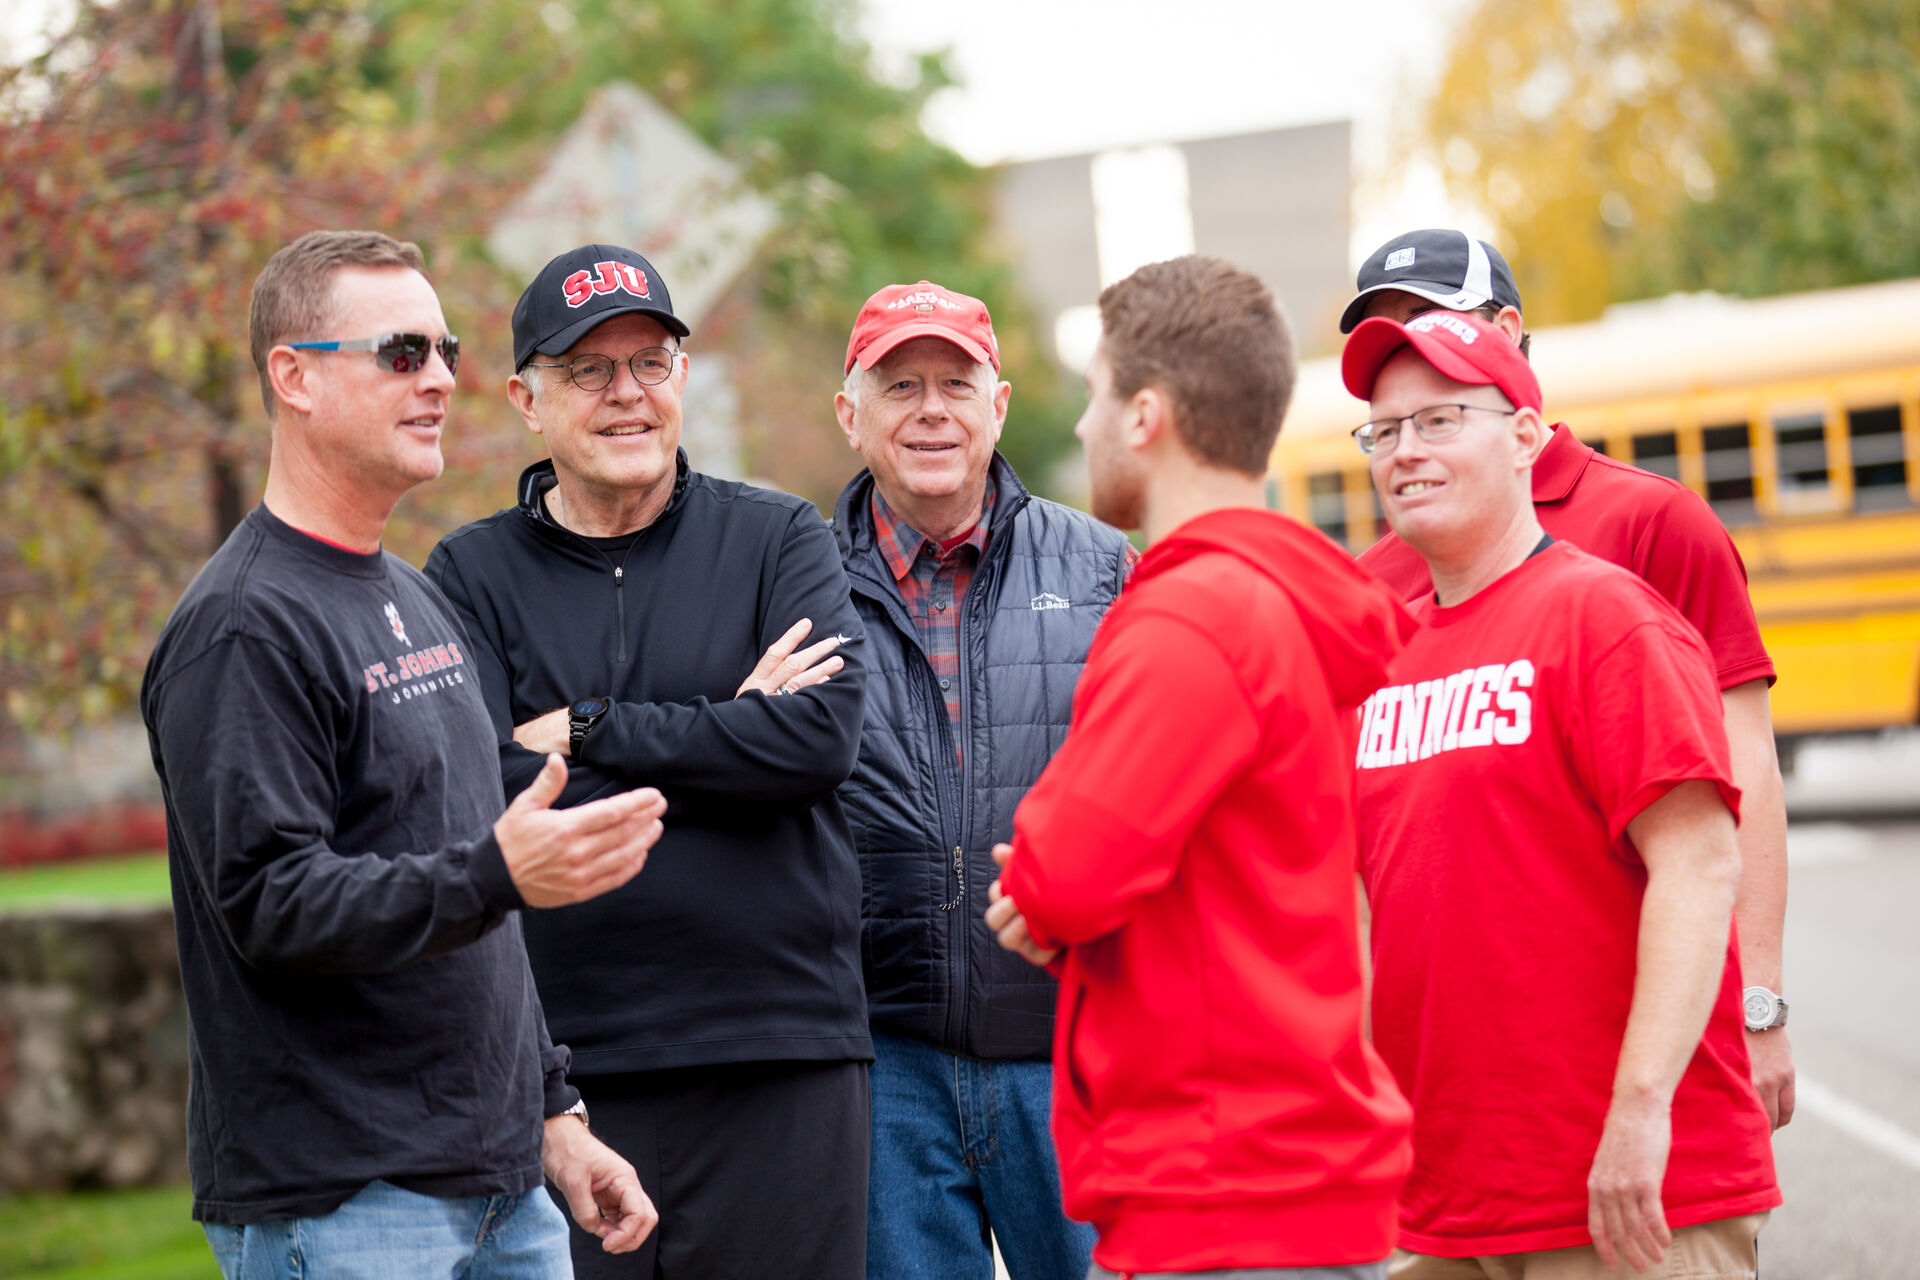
397	352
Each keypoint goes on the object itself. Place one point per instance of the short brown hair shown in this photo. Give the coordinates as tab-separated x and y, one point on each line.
1211	337
293	296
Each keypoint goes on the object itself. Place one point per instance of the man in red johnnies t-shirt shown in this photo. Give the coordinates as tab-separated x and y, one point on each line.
1547	843
1186	861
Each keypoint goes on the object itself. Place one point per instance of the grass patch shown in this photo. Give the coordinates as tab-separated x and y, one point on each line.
135	880
105	1235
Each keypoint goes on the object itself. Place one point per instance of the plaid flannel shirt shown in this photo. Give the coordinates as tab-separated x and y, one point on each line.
933	581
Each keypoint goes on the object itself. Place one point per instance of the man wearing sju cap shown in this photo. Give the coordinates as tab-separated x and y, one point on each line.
1665	533
1546	811
663	628
979	602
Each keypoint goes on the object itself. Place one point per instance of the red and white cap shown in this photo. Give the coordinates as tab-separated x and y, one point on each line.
1462	347
902	312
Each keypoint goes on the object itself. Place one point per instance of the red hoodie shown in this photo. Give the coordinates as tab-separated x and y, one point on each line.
1192	846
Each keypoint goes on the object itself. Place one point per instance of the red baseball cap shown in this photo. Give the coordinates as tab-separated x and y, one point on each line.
1460	346
902	312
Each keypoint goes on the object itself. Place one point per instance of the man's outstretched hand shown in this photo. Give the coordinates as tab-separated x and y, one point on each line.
1004	918
558	857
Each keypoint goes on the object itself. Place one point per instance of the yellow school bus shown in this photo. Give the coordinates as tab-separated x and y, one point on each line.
1797	418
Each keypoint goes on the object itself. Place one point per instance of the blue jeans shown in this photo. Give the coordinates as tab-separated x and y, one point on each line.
961	1145
384	1233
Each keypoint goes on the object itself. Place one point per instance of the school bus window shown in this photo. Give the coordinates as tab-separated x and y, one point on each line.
1879	458
1729	465
1327	504
1801	440
1658	452
1596	443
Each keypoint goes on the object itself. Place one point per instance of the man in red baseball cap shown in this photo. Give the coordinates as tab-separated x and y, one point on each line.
978	602
1547	818
1664	532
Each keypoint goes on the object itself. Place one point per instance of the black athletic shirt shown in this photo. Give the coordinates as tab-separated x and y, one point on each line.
357	987
740	942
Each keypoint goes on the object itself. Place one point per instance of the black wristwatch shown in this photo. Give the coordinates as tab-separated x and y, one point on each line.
581	717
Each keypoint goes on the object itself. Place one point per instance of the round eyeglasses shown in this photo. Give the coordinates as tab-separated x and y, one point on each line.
650	367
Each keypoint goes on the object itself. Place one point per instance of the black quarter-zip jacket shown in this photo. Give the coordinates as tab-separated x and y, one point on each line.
740	941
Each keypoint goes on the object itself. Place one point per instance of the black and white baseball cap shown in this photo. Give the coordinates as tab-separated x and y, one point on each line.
1448	268
580	289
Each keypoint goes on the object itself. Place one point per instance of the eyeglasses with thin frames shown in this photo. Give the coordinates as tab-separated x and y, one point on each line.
650	367
397	352
1433	424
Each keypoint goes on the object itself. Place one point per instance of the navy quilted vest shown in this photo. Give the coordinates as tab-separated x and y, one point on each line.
923	823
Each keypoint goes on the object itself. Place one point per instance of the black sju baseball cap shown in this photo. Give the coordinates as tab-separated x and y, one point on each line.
581	288
1448	268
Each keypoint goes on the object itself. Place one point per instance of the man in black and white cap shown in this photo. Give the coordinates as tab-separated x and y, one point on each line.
1664	532
1437	270
648	622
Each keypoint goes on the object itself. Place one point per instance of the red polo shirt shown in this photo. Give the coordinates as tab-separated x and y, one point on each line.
1657	528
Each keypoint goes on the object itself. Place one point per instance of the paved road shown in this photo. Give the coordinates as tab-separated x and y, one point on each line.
1850	1161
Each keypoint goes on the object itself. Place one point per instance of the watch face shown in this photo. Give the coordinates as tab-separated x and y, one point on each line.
590	707
1759	1007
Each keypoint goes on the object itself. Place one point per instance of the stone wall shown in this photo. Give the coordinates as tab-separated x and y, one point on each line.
93	1050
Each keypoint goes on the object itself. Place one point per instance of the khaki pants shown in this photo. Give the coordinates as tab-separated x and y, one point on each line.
1724	1250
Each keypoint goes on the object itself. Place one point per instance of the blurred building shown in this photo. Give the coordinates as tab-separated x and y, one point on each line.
1277	202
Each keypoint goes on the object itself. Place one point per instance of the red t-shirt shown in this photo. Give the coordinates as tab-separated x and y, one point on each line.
1521	731
1657	528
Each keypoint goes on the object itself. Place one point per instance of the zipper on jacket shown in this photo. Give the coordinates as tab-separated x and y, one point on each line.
960	879
620	602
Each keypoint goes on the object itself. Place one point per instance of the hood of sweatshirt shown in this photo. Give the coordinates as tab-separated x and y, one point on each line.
1355	622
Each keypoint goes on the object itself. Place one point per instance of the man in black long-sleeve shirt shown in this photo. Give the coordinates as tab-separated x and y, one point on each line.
646	621
369	1065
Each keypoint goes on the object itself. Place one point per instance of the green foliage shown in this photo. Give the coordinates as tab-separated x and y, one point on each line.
139	879
1629	148
1819	171
104	1235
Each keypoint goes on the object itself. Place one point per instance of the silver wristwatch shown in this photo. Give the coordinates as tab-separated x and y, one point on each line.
579	1108
1765	1009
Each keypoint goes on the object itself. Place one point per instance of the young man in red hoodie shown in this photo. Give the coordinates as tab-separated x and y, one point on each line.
1547	831
1186	862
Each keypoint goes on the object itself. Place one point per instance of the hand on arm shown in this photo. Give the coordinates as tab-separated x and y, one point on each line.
562	856
781	670
602	1191
1004	918
1686	840
549	734
1761	908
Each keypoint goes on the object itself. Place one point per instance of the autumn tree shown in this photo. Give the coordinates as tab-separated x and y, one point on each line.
150	161
1582	127
161	150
